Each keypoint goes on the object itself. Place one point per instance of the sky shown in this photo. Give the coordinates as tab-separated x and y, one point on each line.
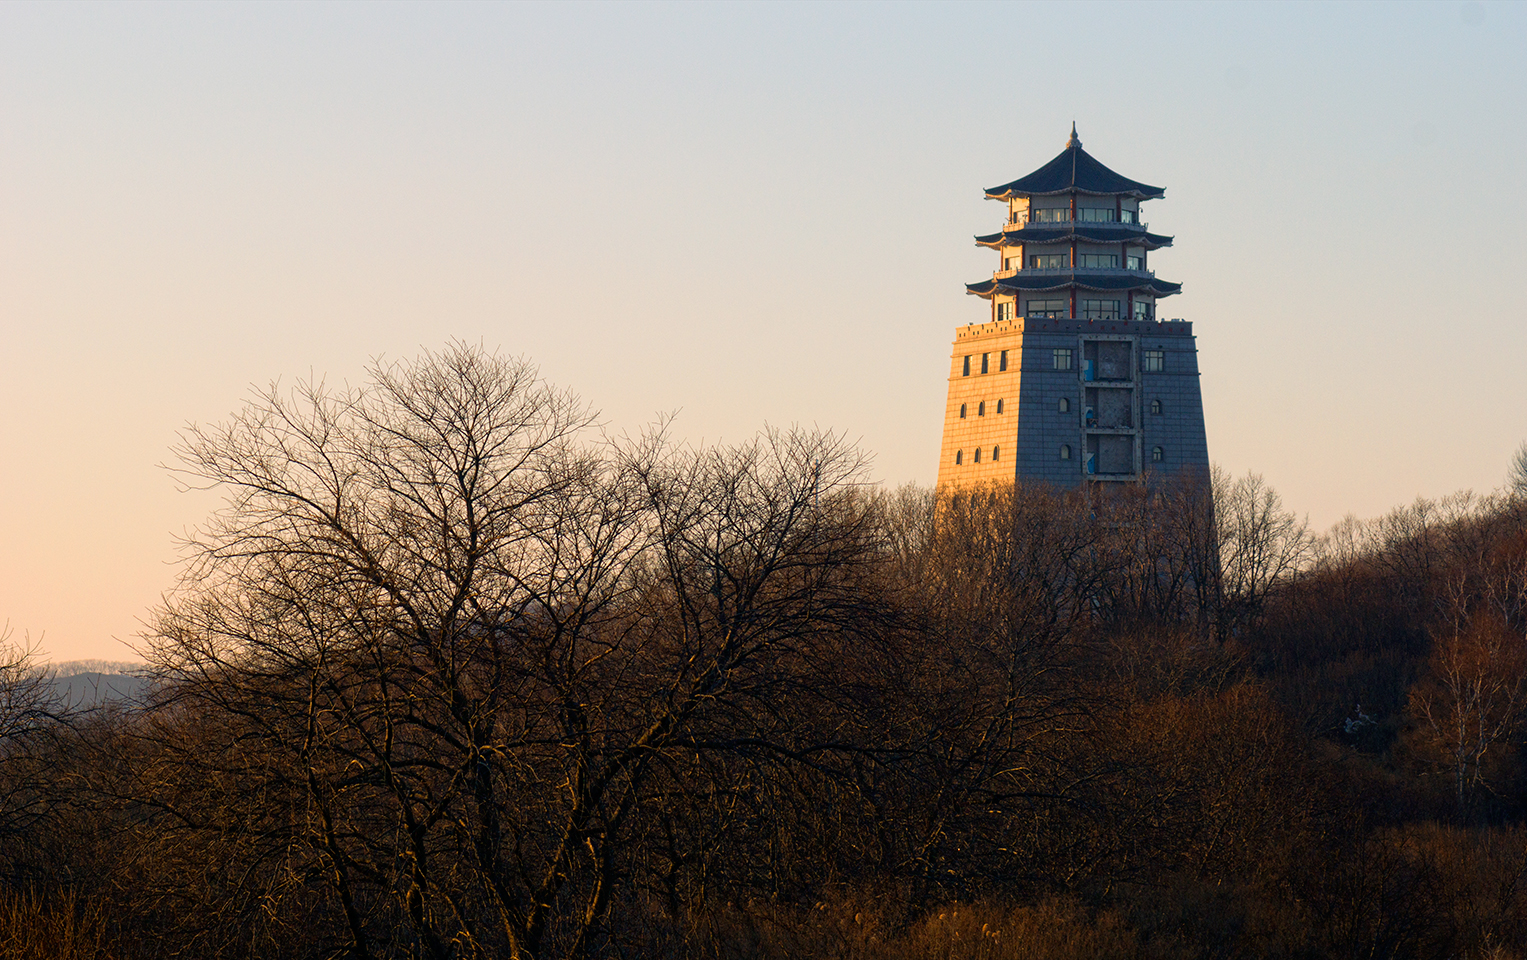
745	214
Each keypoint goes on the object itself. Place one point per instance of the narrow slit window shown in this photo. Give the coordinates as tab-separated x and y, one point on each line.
999	406
967	367
986	363
962	411
1001	364
959	457
978	455
980	412
996	452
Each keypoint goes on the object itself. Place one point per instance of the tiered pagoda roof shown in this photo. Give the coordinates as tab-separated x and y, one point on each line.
1074	170
1033	234
1108	280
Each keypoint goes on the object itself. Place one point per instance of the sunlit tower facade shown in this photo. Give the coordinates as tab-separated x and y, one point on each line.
1073	378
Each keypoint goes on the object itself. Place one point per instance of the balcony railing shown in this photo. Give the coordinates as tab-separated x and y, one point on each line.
1066	315
1024	223
1059	271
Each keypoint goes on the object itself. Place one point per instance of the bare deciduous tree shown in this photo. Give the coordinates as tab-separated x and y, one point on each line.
30	712
442	655
1473	701
1516	477
1261	545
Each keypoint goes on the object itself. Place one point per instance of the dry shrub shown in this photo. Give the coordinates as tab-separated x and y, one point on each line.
849	929
58	926
1481	872
1057	929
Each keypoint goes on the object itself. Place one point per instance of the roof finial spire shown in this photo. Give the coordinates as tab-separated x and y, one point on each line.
1075	141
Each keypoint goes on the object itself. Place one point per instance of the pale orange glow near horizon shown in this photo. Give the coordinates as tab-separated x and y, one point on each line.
745	213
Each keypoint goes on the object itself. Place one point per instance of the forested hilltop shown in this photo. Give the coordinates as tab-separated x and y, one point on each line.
454	674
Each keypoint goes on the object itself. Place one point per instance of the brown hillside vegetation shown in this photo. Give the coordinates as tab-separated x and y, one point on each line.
452	676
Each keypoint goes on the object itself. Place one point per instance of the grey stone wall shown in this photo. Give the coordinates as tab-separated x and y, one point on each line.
1178	429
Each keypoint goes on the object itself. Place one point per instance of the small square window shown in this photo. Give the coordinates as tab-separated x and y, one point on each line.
1006	310
1062	358
1153	361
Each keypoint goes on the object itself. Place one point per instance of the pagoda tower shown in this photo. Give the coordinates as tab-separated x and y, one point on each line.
1073	378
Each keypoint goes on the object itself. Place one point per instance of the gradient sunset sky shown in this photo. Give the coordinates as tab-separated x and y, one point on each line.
747	213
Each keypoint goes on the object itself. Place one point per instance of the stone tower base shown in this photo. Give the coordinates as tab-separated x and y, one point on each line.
1066	401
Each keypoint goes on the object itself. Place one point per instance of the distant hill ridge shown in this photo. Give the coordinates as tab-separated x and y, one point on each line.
82	684
70	668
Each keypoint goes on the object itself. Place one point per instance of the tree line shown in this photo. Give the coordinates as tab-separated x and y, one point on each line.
454	673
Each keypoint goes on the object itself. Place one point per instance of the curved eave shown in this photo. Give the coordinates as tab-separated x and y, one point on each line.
1074	171
1156	193
986	289
1031	237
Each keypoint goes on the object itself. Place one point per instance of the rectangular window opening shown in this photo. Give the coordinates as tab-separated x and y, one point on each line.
1047	309
1100	309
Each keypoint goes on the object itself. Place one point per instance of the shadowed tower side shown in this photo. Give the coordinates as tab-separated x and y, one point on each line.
1073	378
